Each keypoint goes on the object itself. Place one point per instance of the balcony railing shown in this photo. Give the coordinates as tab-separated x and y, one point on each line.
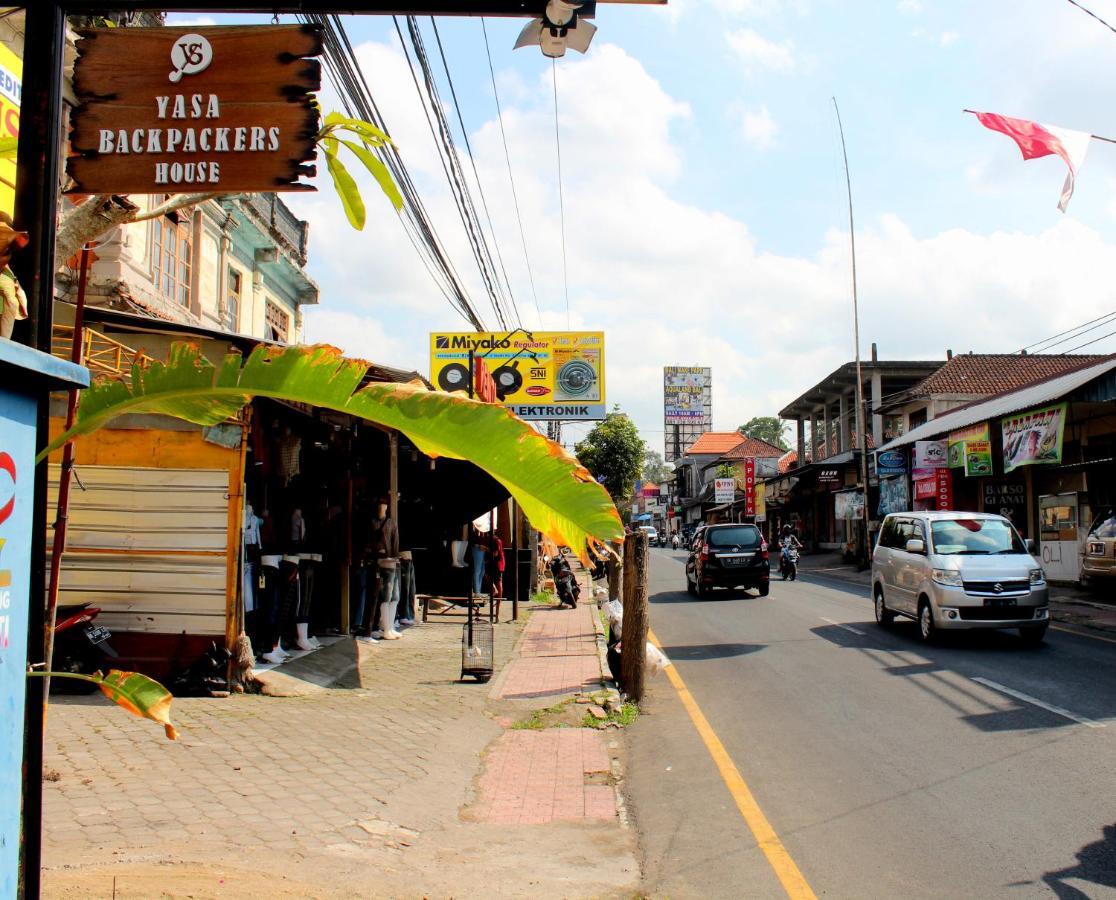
100	354
283	223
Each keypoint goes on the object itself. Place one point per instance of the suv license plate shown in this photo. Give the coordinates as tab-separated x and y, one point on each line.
734	561
1000	601
97	634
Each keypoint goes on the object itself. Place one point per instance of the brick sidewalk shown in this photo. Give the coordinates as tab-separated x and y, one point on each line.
535	777
558	655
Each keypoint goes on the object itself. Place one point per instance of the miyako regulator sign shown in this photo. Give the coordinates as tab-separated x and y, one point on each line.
554	376
176	110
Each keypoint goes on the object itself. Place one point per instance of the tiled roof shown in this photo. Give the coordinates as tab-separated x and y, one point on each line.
754	447
983	374
716	443
788	461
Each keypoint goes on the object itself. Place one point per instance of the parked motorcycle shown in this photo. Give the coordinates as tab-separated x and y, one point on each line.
788	563
79	647
564	582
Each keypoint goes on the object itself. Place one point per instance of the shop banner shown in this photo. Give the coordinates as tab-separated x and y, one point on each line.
1006	498
724	490
926	488
848	505
891	462
829	476
11	77
945	489
686	394
761	503
539	375
930	454
957	440
978	459
1034	437
893	495
749	486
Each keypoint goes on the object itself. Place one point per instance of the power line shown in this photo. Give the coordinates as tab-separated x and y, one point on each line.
447	154
476	174
561	196
1093	14
357	100
1075	331
1089	343
511	179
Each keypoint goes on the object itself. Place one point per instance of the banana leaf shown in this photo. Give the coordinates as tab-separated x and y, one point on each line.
141	696
558	495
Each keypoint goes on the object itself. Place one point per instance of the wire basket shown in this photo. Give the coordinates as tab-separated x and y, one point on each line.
476	650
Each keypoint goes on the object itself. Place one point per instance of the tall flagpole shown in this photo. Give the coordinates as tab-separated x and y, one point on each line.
862	435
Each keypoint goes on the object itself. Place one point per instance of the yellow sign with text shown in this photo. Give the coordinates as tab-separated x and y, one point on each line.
11	81
540	375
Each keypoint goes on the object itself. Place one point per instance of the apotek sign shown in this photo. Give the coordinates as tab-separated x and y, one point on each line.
172	110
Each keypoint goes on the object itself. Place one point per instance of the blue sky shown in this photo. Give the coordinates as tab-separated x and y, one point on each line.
705	206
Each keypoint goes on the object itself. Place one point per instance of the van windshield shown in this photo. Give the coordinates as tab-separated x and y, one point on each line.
746	537
975	537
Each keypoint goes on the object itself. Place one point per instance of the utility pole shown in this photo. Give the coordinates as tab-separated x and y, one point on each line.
861	434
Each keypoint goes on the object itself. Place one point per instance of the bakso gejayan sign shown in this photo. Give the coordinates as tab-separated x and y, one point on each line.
184	110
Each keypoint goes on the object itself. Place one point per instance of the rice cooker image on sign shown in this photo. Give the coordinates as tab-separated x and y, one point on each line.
576	377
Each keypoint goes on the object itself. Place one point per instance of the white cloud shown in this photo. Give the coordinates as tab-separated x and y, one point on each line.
758	127
189	21
948	38
910	7
669	282
760	9
757	52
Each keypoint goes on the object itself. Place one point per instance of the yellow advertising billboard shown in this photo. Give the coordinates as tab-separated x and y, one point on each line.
539	375
11	76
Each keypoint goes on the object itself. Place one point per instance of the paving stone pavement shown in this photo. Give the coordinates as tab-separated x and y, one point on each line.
558	655
258	771
534	777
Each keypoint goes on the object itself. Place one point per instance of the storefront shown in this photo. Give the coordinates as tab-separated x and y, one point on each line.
1042	456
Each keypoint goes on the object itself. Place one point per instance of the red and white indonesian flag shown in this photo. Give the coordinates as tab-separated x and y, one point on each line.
1035	140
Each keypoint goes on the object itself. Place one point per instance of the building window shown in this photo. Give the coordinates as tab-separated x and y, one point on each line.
232	300
918	417
171	256
278	323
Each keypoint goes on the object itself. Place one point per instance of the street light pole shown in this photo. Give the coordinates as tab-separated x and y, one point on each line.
862	436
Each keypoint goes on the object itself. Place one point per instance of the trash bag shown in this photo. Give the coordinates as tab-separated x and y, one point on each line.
656	660
614	612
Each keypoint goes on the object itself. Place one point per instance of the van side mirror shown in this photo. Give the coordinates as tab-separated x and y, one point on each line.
1031	548
916	545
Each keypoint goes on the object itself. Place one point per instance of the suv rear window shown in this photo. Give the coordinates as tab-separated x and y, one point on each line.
744	536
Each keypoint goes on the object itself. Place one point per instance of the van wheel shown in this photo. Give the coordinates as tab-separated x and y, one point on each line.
884	616
1033	637
704	590
927	630
765	589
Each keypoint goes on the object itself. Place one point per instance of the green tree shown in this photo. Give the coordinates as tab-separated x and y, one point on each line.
613	453
654	469
766	428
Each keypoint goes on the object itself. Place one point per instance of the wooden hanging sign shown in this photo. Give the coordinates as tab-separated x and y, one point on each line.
184	110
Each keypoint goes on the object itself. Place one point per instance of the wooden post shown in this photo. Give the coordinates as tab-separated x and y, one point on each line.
614	564
633	654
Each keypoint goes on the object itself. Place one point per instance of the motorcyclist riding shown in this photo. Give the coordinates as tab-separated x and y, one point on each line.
675	541
788	557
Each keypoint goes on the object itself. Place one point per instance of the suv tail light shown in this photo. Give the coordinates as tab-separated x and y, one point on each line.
763	550
704	552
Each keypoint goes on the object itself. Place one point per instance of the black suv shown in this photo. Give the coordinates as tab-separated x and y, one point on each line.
728	556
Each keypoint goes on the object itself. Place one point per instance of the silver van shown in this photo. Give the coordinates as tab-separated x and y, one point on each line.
959	570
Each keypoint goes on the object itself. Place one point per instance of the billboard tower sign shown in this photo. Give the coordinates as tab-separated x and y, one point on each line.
687	407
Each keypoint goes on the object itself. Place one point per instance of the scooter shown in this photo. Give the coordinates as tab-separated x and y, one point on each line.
788	563
79	647
564	582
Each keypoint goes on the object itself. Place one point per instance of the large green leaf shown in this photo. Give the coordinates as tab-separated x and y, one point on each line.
347	190
558	495
378	170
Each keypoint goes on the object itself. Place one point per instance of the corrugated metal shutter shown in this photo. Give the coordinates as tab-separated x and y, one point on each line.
148	546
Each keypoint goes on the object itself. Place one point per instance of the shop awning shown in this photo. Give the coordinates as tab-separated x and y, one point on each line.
1005	404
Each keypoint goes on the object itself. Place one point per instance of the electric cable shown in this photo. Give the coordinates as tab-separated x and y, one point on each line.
511	178
1089	343
1074	332
1091	13
356	98
476	174
561	197
434	112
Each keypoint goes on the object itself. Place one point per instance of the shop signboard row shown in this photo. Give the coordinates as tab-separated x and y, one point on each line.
1033	437
539	375
174	110
686	394
971	449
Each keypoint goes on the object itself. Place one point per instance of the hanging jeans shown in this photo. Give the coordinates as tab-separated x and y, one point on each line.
476	561
306	589
407	589
367	592
289	596
267	612
389	597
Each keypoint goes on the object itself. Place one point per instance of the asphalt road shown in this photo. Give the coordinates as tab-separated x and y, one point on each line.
975	768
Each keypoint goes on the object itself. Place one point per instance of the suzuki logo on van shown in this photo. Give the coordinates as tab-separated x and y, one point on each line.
998	588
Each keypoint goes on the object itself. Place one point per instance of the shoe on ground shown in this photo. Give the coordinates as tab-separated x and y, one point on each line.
407	622
368	639
377	634
392	636
274	658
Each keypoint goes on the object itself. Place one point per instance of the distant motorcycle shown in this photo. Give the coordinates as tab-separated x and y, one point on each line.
788	562
564	582
676	542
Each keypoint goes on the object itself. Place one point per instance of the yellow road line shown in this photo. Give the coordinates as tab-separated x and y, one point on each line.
788	873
